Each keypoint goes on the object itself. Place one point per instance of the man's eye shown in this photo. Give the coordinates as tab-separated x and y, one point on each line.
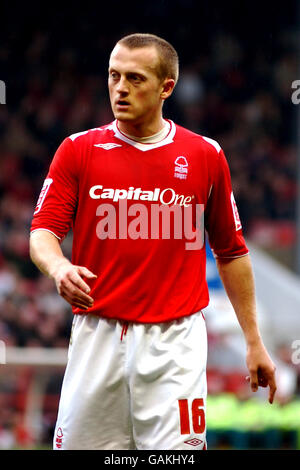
136	78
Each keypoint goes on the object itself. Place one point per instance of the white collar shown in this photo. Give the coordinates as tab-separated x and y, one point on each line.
163	137
151	139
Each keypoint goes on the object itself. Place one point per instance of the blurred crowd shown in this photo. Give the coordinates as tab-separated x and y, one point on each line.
233	89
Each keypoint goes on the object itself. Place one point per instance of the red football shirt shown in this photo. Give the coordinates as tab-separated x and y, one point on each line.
115	194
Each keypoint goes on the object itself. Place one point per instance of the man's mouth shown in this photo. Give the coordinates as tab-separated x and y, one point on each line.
122	103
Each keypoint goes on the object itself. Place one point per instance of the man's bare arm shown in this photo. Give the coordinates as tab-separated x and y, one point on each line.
46	254
238	280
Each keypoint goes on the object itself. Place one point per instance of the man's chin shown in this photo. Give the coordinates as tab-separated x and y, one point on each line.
123	117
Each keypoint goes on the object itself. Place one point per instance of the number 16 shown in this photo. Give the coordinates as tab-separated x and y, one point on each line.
198	416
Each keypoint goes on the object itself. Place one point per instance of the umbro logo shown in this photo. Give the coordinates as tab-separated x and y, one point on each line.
107	146
193	442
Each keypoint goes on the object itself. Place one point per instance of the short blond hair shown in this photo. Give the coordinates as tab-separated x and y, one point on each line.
168	66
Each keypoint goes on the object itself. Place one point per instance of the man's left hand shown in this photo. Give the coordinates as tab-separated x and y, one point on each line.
261	369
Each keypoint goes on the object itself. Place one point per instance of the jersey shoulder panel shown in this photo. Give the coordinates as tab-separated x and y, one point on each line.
91	134
212	142
205	143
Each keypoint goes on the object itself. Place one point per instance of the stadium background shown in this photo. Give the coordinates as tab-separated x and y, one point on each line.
238	61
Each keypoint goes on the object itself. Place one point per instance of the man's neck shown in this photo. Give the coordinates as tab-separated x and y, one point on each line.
152	139
141	130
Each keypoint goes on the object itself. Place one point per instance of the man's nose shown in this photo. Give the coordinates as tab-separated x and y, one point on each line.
122	86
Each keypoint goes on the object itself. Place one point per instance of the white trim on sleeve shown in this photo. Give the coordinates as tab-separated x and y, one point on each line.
229	257
46	230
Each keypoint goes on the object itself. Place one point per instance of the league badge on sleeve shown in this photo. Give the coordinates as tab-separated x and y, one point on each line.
238	224
43	193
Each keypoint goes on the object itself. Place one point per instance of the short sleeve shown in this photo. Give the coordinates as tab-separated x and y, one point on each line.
57	202
222	221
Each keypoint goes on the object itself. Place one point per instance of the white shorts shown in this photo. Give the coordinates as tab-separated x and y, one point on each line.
134	386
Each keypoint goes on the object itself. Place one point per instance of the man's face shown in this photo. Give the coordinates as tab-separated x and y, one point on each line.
134	87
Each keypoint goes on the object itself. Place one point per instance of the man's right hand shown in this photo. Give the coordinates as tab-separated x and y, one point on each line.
70	284
46	254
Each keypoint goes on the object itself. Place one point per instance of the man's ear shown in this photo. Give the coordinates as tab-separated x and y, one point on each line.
168	86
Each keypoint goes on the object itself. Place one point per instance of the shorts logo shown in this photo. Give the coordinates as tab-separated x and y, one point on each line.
107	146
181	168
43	193
193	442
58	439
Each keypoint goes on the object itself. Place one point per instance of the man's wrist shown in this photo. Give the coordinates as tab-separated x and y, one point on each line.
253	340
56	264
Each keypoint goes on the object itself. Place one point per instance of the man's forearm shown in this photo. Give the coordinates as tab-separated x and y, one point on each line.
45	252
238	280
